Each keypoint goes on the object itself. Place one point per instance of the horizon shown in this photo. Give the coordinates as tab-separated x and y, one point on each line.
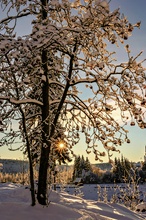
72	163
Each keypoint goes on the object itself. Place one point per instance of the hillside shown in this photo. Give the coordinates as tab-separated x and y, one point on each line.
13	166
16	166
104	166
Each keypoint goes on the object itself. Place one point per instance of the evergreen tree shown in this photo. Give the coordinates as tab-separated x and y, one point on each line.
144	166
82	165
121	169
82	168
61	153
76	168
142	172
88	166
127	169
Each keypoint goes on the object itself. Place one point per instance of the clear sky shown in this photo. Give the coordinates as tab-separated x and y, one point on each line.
135	10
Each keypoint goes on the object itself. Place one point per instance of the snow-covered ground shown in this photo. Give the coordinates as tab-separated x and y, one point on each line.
105	191
15	204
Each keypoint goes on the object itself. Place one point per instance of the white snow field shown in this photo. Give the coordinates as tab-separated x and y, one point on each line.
15	203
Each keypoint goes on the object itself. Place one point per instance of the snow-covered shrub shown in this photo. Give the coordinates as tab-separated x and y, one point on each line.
22	178
102	193
141	207
78	192
129	193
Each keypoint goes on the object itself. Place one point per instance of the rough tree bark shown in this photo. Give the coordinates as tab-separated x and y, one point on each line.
45	150
47	130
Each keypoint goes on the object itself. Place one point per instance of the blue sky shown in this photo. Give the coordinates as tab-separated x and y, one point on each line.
135	11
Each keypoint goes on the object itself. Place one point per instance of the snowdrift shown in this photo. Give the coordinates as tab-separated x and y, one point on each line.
15	204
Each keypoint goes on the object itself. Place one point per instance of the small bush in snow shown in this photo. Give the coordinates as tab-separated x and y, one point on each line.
141	207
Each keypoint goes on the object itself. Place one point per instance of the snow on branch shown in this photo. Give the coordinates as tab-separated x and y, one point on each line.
23	101
14	17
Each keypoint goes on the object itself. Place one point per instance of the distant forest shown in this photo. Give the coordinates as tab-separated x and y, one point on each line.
18	166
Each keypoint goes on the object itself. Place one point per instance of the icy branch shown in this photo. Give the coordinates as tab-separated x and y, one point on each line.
23	101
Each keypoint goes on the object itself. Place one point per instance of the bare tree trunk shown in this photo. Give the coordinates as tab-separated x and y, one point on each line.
45	150
42	194
47	129
31	173
32	189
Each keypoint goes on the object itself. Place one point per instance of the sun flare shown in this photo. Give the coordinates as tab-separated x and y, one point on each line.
61	145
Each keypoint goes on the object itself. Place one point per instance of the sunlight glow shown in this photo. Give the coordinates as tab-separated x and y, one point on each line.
61	145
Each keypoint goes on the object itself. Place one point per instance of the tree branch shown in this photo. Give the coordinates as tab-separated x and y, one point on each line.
14	17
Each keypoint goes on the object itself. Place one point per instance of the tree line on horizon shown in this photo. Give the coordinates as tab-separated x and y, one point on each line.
122	171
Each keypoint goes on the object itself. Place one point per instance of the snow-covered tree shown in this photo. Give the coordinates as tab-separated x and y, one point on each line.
45	76
82	168
144	166
76	168
88	165
142	172
122	169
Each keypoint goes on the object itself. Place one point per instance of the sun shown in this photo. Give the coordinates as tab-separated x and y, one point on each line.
61	145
